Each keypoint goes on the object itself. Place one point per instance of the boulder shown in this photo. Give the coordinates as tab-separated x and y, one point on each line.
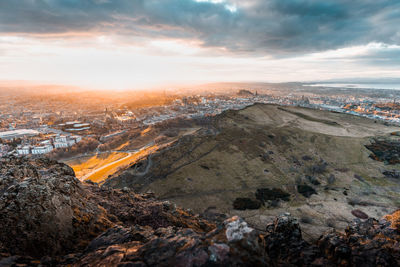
44	209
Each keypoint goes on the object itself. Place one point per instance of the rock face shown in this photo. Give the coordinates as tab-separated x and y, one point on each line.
394	219
49	218
44	208
365	243
231	244
234	243
286	247
385	150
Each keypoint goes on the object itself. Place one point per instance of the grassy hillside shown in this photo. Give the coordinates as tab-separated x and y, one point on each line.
317	157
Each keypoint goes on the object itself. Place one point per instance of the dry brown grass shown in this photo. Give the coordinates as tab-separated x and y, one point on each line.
103	173
85	165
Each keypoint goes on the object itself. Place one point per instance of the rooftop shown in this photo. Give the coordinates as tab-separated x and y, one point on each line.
16	133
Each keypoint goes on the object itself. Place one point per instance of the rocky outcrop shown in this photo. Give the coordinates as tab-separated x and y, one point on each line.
231	244
391	174
394	220
365	243
384	150
285	245
49	218
44	209
234	243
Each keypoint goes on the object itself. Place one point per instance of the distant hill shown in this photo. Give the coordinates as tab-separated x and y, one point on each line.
389	80
244	92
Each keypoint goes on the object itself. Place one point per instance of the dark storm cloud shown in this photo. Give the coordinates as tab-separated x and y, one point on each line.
259	26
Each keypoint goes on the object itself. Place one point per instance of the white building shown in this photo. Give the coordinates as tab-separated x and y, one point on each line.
23	150
71	142
80	125
125	119
60	144
61	139
45	142
8	135
77	129
46	146
39	150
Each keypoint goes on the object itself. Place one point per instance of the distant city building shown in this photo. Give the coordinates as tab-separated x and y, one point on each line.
60	144
46	146
23	150
104	138
60	139
77	127
39	150
22	133
69	123
125	119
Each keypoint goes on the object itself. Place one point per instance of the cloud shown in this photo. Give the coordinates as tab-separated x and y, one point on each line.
381	55
264	27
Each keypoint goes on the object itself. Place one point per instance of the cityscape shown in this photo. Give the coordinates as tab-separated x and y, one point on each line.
199	133
42	128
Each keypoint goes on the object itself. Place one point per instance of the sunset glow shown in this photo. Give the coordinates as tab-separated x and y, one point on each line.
105	46
199	133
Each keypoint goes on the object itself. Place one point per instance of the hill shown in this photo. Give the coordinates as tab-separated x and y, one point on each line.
49	218
266	159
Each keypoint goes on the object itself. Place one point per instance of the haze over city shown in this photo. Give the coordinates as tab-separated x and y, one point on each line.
123	44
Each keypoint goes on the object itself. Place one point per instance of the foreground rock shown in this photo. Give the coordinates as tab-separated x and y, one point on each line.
44	209
232	244
367	243
50	219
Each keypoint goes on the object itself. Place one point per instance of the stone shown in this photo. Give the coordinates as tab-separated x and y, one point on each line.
236	229
359	214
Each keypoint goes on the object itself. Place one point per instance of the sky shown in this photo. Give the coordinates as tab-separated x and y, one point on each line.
127	44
